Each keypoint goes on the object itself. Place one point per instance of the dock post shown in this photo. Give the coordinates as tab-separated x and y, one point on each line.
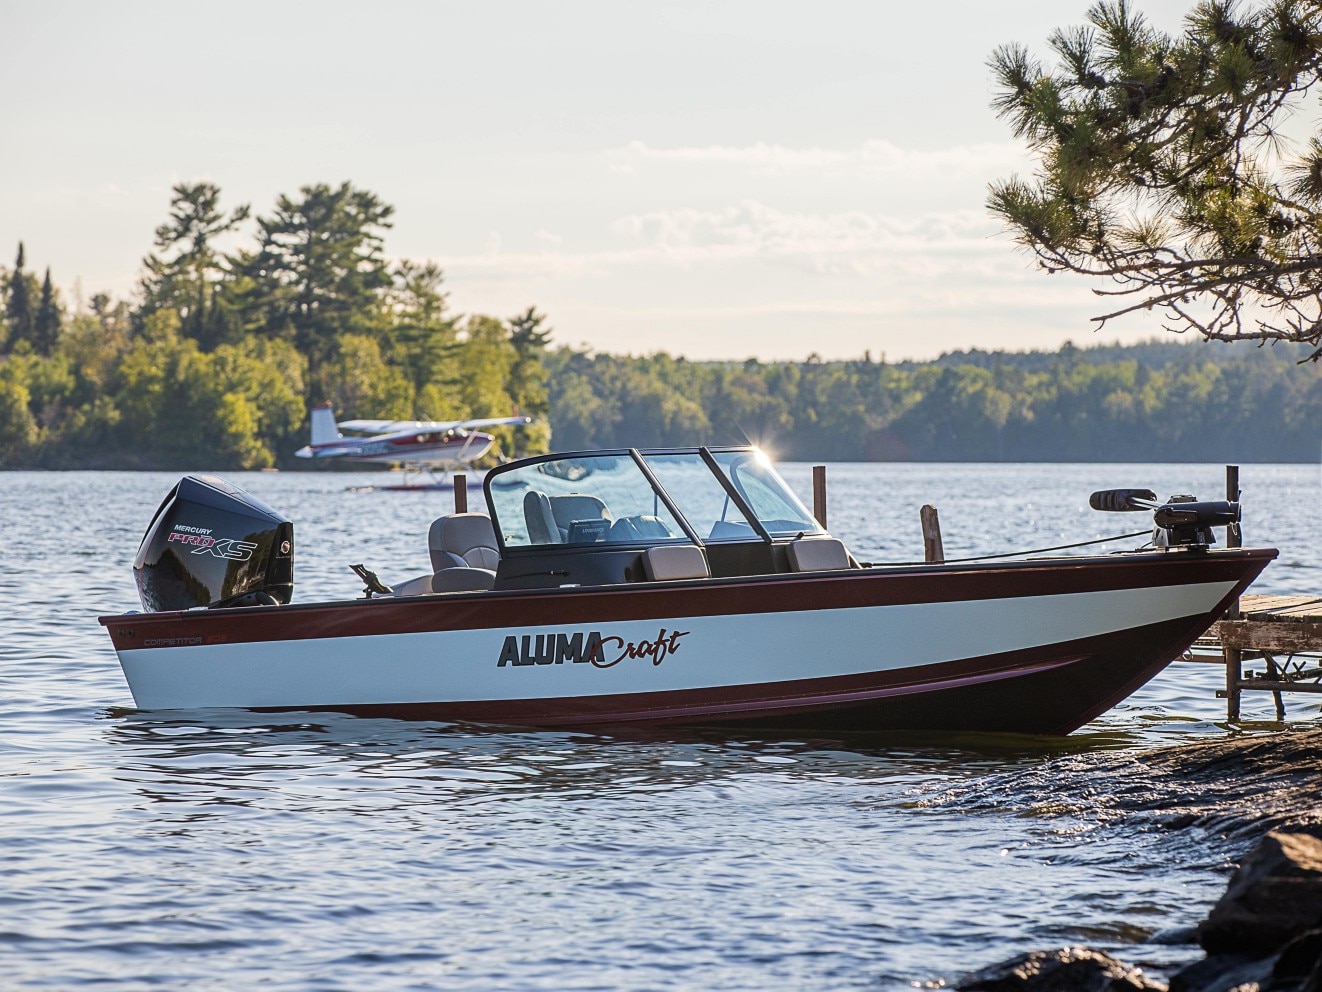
1234	656
932	548
461	493
819	494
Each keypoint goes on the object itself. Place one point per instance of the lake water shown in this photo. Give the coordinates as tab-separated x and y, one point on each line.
224	850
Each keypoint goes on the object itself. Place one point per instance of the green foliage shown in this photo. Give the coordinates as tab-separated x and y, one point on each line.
1164	171
1154	402
153	386
20	290
48	320
422	337
357	377
219	363
18	427
319	270
190	273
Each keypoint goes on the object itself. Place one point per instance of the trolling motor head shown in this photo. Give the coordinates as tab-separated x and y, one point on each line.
1180	522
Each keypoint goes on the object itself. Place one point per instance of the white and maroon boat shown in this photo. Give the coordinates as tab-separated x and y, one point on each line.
676	586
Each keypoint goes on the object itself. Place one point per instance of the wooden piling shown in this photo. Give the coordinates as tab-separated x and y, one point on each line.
819	494
1234	656
932	548
461	493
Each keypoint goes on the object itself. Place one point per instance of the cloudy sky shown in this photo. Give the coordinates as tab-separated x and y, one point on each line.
720	180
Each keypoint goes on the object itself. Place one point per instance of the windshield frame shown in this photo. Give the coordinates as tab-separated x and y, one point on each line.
639	456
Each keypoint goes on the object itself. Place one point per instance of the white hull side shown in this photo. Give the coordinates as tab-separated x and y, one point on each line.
713	651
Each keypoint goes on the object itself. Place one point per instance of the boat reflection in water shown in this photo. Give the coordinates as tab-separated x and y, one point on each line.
665	586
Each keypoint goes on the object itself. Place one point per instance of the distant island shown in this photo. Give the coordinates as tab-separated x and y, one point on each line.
219	357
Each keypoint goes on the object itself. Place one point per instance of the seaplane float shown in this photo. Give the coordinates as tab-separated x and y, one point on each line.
677	586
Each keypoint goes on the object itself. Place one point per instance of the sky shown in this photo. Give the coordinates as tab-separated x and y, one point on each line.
717	180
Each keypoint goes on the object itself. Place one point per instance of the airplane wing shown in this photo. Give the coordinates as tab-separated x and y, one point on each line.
399	426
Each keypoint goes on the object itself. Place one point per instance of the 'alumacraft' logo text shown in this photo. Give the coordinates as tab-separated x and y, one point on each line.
596	649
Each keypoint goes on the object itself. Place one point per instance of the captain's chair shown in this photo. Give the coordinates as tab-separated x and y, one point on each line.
579	517
463	556
537	515
463	540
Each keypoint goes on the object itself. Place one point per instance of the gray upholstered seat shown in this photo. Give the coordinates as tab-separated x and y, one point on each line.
630	530
463	556
463	580
537	515
667	562
817	554
573	508
463	540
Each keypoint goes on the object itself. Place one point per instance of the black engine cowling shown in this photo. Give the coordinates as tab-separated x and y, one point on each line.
212	544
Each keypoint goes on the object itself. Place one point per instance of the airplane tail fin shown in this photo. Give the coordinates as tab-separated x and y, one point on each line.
324	429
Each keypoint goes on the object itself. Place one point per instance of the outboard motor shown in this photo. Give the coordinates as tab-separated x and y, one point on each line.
212	544
1180	522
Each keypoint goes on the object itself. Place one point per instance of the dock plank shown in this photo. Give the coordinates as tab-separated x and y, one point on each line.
1303	609
1289	637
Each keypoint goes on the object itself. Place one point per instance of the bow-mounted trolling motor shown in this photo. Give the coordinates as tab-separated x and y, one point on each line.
1180	522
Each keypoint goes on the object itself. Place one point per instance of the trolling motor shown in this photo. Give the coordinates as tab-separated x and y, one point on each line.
1180	522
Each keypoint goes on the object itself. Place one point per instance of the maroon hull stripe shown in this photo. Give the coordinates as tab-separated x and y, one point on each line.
712	597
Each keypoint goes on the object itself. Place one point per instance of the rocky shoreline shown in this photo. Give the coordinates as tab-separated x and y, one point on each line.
1265	932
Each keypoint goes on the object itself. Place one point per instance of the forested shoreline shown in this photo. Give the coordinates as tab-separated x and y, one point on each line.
216	360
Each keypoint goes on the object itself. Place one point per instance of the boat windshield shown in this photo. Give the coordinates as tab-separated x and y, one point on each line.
699	495
586	499
776	506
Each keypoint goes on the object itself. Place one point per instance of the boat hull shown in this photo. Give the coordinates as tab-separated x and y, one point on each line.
1033	647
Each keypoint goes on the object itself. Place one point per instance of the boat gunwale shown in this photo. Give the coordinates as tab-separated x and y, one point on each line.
917	570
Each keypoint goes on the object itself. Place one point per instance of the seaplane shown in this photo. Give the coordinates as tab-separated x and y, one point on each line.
421	447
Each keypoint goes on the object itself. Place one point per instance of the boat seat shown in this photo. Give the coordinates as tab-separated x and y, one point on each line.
578	508
461	579
542	528
463	556
463	540
817	554
667	562
642	527
456	579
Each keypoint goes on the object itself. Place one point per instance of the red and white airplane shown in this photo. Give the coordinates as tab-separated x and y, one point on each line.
418	445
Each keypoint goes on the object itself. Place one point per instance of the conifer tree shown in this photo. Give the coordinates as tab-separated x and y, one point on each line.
422	334
319	270
1167	170
189	270
18	308
47	322
529	336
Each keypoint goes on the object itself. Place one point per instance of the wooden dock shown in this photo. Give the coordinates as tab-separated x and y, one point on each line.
1279	639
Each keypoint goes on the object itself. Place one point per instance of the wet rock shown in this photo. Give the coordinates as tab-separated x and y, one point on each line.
1274	896
1223	972
1237	788
1300	963
1070	969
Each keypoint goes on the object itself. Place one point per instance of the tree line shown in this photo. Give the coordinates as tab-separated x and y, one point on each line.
217	359
1156	401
